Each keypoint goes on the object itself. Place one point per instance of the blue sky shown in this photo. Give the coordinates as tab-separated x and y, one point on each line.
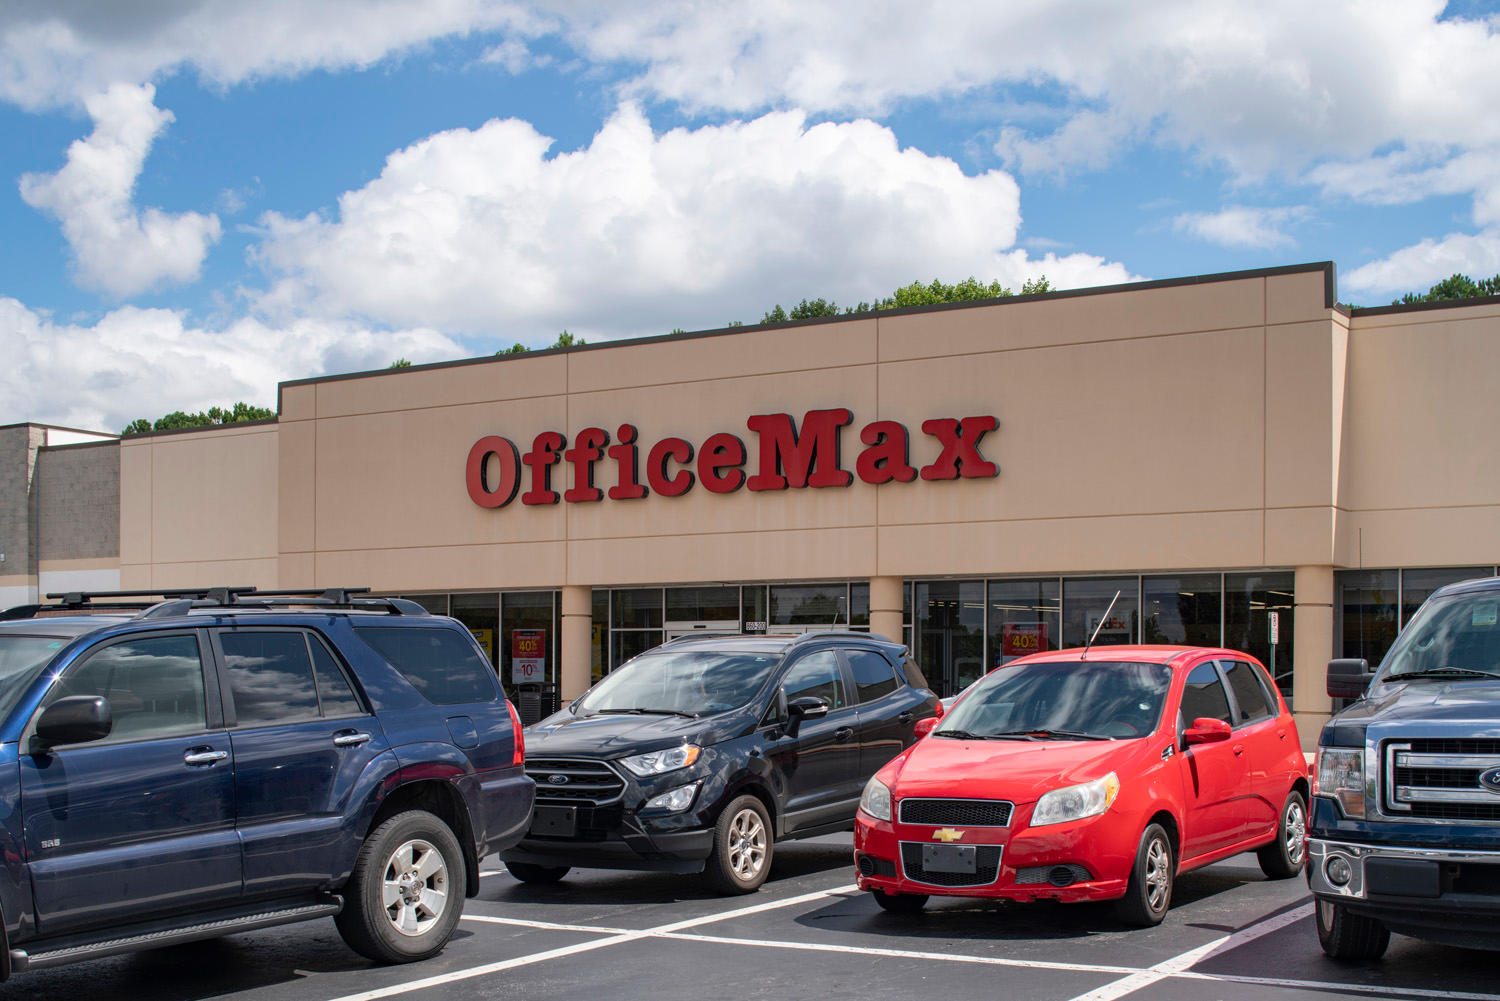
203	197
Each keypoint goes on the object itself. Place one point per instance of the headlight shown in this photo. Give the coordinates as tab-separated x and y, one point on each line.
1076	802
658	762
675	800
1340	776
876	800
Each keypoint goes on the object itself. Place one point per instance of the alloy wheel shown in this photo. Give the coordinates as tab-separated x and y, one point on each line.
747	845
1158	875
414	888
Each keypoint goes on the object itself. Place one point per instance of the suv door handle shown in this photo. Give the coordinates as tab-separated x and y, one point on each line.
349	738
905	717
203	756
843	733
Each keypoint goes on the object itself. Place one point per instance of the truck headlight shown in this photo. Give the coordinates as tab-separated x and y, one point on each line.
1340	776
876	800
1086	799
659	762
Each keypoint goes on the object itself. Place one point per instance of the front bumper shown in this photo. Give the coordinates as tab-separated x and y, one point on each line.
1442	894
1081	855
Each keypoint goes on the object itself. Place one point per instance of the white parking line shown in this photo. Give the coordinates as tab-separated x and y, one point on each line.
546	925
1184	961
570	950
1343	987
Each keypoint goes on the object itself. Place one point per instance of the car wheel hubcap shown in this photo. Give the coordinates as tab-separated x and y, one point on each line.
414	889
1158	875
1296	833
747	845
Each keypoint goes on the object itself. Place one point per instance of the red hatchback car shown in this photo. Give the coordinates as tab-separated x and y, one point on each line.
1078	776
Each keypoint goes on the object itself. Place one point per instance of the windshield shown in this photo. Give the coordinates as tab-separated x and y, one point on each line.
692	682
21	659
1086	699
1450	635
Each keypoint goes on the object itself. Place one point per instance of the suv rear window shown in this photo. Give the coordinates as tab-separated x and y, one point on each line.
874	677
440	663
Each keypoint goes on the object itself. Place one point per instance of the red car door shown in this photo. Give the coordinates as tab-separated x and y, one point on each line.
1265	738
1213	774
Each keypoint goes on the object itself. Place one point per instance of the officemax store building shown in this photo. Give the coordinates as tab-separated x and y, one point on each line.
1240	459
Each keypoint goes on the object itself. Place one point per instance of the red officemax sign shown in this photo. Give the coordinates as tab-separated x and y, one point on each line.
781	456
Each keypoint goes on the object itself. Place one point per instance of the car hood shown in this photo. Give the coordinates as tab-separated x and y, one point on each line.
611	736
1428	699
1017	770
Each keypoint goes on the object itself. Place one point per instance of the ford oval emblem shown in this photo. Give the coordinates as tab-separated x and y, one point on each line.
562	780
1490	779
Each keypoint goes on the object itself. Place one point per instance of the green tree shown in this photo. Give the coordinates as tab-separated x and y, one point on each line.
564	340
213	415
400	363
916	294
1456	286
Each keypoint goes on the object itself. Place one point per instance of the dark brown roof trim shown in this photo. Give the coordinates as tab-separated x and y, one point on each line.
108	443
1419	307
1329	301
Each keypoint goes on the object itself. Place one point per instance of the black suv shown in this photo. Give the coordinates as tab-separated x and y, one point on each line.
701	753
228	759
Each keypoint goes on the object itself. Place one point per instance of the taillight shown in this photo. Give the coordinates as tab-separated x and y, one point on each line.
518	756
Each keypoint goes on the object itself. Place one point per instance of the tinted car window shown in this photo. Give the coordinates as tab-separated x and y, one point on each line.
1203	696
270	677
440	663
817	675
154	686
914	676
874	677
1249	696
334	693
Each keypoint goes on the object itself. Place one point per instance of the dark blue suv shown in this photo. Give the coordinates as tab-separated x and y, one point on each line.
229	759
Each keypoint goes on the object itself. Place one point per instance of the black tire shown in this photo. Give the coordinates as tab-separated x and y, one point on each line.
743	845
419	858
1285	857
1149	893
1349	936
900	903
540	874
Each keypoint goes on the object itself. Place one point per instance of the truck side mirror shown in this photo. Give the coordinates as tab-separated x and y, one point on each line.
1349	677
73	719
804	707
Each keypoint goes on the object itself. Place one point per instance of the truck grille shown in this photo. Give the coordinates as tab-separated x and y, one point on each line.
589	783
986	862
957	812
1438	779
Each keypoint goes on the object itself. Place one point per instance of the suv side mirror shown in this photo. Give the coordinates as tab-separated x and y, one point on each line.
1348	677
804	707
1207	730
73	719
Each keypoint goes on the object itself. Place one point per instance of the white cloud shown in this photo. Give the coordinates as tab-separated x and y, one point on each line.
640	233
1242	225
1420	266
118	248
147	362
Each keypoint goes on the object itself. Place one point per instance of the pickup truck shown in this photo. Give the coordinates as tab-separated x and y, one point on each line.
1404	831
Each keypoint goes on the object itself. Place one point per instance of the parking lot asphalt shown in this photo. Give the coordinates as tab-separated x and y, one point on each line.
1231	934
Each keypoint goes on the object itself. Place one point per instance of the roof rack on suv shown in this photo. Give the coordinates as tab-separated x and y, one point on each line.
180	601
823	634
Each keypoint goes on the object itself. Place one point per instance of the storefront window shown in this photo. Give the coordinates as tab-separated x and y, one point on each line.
1181	609
703	604
637	609
481	614
1084	605
1250	600
859	606
599	636
627	644
1365	602
810	605
528	632
1025	617
753	599
437	604
949	631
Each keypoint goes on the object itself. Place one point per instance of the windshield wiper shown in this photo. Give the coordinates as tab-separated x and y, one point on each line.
966	735
646	710
1059	734
1445	672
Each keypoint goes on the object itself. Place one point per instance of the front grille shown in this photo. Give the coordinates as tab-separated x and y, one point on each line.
591	783
1438	779
986	865
956	812
1057	875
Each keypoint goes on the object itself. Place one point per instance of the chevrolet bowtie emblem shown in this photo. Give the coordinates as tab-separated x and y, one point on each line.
946	835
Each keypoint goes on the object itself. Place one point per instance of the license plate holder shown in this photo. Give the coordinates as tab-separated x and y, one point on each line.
949	858
554	821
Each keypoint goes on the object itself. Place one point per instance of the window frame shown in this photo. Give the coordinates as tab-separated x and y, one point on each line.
843	675
846	656
1183	723
1273	709
212	696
